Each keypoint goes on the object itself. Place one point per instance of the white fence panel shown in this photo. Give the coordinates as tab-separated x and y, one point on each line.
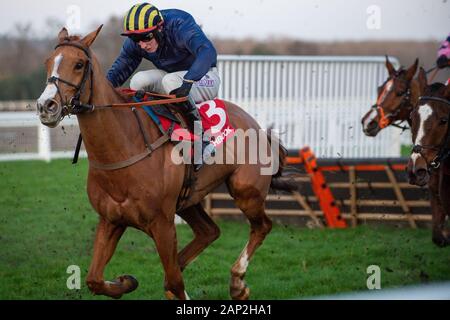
311	100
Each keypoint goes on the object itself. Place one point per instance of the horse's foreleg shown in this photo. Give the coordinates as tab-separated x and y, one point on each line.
163	232
441	237
106	240
205	231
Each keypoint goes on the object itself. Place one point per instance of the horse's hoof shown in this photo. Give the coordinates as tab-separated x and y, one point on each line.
120	286
244	295
170	295
129	283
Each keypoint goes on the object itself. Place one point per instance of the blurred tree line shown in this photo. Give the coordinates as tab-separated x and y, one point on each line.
22	55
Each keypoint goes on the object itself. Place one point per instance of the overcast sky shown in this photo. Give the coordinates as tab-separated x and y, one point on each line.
263	19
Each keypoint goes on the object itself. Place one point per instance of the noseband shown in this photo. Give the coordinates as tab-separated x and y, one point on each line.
74	105
442	149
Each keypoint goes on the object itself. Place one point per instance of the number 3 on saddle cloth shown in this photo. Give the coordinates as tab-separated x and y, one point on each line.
215	121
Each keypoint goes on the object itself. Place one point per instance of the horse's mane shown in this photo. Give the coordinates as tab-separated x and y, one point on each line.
434	89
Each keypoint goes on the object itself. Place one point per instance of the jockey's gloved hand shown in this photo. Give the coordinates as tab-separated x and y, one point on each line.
442	62
184	90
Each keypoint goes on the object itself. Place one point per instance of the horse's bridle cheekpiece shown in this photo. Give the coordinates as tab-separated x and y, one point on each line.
384	120
74	105
443	149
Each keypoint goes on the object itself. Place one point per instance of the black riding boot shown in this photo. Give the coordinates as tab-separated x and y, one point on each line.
192	115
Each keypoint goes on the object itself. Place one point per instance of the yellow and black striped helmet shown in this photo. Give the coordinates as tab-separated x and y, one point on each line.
142	18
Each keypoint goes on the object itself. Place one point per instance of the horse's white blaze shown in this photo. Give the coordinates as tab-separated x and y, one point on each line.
372	115
425	112
387	89
414	158
187	297
51	90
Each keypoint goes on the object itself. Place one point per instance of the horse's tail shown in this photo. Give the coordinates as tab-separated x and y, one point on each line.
278	181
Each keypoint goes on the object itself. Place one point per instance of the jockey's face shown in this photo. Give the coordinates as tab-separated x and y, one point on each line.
149	46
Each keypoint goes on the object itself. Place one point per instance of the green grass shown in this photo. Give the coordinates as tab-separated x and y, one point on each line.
406	150
47	224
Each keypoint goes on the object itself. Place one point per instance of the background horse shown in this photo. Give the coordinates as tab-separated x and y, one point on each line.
429	159
145	195
397	97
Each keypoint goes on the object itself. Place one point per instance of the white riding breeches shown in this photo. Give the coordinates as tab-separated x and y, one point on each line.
159	81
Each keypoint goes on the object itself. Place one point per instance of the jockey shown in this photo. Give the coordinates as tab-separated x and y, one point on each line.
184	58
443	60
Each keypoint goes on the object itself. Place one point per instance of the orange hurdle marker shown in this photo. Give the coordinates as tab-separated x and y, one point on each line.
322	191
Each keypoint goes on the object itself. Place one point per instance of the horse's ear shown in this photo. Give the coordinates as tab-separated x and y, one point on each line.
90	38
390	67
63	35
412	70
447	91
423	82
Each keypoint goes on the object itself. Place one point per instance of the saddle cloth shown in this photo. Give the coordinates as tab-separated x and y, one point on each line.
215	121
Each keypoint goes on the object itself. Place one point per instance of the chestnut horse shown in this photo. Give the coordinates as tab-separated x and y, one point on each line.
144	195
429	159
397	98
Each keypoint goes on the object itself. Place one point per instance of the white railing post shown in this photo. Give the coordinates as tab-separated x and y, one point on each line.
44	143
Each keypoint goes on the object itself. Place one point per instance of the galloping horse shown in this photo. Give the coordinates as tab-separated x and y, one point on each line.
397	98
430	156
145	193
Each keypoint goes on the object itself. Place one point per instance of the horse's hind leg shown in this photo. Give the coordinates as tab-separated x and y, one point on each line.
106	240
205	231
249	193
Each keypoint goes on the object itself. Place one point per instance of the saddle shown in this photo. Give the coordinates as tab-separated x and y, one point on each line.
215	120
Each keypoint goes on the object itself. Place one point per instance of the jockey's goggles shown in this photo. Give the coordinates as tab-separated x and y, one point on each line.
136	37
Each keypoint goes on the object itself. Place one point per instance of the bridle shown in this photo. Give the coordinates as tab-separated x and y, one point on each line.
386	120
74	105
442	149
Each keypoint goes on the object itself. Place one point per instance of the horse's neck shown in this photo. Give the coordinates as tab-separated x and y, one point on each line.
109	135
415	94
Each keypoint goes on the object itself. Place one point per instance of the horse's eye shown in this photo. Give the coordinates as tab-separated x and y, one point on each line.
443	121
79	66
399	94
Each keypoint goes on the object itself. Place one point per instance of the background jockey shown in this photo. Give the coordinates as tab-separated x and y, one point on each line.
443	60
184	58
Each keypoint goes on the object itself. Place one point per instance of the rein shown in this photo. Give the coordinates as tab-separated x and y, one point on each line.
443	149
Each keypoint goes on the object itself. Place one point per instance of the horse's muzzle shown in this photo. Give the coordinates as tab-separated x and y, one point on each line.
50	113
417	175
